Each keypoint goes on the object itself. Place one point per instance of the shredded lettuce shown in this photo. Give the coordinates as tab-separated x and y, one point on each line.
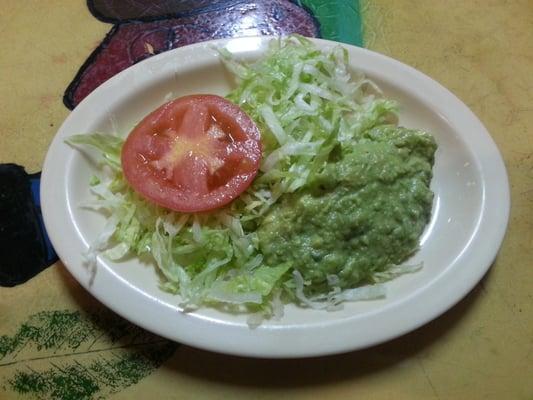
305	102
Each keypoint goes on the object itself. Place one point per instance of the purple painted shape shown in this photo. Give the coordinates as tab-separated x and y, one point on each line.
255	18
128	43
127	10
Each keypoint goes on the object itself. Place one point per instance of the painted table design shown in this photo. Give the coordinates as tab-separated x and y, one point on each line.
57	342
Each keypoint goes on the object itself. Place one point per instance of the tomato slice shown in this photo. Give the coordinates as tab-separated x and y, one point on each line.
195	153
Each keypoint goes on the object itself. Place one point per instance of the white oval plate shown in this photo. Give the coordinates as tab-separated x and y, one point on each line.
469	219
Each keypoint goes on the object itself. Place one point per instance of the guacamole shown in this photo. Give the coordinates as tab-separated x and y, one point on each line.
362	213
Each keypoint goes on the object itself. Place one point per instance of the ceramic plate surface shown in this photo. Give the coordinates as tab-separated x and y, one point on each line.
469	218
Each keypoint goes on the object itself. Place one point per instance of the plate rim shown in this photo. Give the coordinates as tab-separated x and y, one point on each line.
185	327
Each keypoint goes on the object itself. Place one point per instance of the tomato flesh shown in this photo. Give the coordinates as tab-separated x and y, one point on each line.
195	153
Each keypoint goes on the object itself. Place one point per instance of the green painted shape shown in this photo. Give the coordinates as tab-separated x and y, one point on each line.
81	355
339	20
99	378
67	383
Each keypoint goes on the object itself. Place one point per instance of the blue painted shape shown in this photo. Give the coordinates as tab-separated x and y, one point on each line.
35	182
25	249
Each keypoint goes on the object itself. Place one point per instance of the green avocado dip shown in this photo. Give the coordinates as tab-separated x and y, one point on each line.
361	214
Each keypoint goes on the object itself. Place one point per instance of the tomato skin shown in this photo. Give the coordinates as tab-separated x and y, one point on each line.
192	154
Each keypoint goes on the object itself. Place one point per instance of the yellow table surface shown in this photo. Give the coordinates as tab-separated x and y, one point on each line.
480	349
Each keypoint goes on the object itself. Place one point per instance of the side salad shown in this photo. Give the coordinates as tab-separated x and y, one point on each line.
338	204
